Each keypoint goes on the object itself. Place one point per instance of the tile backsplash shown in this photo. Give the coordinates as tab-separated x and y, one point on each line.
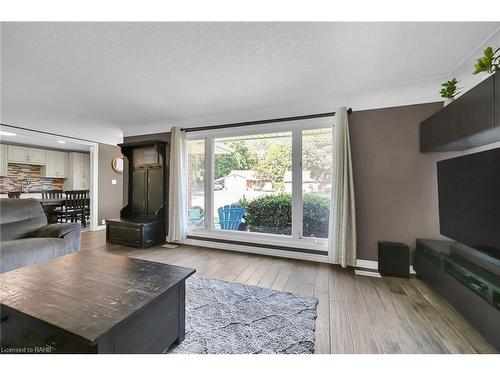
28	178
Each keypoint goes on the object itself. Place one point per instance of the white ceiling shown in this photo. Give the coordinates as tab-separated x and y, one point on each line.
99	81
35	139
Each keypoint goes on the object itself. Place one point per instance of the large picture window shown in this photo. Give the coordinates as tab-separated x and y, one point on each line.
271	184
249	187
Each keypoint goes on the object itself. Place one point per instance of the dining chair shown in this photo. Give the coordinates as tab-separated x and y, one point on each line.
14	194
87	206
75	206
52	194
195	216
59	210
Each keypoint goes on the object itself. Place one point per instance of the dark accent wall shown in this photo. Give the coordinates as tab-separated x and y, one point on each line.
395	185
110	196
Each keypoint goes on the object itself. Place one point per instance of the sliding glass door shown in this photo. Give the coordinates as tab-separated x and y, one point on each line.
267	185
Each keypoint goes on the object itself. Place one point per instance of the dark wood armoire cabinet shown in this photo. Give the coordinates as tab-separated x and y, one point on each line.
142	221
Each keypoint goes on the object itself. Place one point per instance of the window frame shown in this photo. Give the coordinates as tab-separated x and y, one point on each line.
295	240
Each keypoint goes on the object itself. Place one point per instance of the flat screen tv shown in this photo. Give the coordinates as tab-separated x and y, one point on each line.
469	200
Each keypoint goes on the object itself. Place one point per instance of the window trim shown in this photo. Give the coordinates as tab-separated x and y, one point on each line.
297	201
296	239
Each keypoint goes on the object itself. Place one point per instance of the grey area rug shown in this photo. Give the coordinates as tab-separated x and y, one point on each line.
229	318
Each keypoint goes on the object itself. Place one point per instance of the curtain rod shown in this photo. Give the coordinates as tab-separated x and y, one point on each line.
260	122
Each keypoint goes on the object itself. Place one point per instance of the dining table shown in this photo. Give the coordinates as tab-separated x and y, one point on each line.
49	206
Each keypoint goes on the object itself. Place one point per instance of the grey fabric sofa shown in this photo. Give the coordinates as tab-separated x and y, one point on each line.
25	237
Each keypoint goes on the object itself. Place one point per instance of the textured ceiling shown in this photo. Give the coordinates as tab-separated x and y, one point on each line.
97	80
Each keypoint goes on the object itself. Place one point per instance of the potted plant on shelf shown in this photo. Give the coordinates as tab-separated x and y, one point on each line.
449	91
489	63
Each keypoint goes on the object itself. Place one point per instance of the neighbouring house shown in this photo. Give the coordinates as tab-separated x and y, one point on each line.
239	180
309	184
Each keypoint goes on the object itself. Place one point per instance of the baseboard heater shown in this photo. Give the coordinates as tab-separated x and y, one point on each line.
252	244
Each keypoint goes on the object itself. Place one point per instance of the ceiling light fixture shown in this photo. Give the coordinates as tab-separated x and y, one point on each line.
7	134
61	141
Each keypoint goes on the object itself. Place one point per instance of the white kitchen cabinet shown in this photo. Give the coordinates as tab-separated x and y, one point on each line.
3	160
17	154
62	164
56	164
51	164
78	176
37	155
26	155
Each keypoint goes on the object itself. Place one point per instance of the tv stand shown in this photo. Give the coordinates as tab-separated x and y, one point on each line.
470	287
491	252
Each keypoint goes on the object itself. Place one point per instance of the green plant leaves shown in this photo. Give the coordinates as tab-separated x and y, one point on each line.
273	214
489	63
449	89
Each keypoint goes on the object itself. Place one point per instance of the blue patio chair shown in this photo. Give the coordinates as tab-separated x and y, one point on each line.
230	216
195	216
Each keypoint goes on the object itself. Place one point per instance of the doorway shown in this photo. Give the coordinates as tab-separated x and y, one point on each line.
33	163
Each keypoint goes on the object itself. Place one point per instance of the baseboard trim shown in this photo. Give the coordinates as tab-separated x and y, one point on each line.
373	265
99	227
360	263
367	273
369	264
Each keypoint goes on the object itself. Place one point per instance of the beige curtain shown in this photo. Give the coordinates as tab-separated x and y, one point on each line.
342	238
177	215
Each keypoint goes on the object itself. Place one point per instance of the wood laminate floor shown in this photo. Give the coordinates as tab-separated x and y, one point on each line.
356	314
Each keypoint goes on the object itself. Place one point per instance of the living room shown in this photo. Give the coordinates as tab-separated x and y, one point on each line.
239	188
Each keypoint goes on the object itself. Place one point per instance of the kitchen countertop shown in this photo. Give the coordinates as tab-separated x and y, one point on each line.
30	194
24	195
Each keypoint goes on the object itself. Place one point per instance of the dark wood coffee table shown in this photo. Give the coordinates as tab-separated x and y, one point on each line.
90	302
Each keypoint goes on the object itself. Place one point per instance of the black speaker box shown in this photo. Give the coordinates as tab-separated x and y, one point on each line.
393	259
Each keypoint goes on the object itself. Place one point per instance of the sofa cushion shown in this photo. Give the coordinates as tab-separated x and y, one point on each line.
28	251
20	217
69	231
59	230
